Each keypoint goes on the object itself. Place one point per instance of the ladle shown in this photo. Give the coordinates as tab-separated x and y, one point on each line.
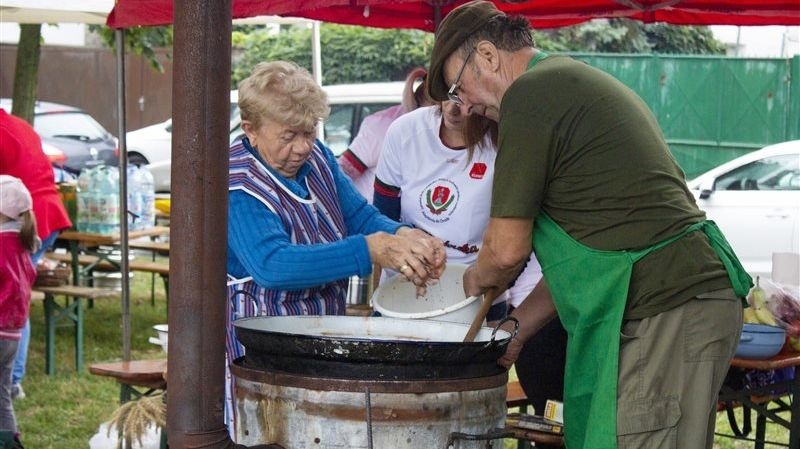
488	299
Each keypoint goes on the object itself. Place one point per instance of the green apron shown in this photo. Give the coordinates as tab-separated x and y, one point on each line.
590	290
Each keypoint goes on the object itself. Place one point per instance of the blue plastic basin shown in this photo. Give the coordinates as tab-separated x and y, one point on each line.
760	341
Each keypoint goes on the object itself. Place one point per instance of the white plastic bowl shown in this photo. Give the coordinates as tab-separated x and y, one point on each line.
443	301
162	339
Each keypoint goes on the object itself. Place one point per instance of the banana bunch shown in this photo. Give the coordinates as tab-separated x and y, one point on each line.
758	312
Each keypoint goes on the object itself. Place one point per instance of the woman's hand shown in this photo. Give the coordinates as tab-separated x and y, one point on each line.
418	256
432	250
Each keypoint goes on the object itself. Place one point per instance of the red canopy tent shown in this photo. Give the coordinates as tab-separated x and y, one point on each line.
422	14
199	195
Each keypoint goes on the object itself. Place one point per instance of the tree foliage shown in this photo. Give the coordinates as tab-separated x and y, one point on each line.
349	54
140	40
629	36
668	39
353	54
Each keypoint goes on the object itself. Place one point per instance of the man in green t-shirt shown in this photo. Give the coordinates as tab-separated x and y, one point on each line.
646	288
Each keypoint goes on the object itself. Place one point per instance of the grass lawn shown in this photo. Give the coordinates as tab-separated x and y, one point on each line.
64	411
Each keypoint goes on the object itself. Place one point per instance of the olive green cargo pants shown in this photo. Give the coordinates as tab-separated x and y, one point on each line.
671	368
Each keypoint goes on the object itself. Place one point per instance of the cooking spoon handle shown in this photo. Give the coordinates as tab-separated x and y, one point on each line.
488	299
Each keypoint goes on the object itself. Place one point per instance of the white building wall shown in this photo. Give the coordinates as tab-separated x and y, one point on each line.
759	41
71	34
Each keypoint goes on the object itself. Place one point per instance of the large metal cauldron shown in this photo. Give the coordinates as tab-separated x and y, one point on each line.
423	406
369	347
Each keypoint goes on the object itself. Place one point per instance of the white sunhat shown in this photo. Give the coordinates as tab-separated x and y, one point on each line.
14	197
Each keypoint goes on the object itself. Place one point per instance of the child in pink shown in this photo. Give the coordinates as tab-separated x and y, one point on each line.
18	240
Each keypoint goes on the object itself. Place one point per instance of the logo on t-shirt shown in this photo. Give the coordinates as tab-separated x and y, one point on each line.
438	200
478	170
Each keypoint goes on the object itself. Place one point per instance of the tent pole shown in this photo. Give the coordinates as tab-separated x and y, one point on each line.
123	196
316	66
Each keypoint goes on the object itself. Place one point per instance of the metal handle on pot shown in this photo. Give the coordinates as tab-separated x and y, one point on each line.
495	434
247	294
496	328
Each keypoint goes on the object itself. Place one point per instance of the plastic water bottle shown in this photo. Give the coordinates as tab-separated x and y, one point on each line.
108	200
95	203
85	197
135	206
147	189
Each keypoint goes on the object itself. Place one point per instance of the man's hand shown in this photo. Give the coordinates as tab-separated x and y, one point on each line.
536	310
506	247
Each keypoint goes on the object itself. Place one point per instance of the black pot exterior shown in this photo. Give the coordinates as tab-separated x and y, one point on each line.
361	358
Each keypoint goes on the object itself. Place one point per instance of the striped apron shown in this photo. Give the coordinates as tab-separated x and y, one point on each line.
313	220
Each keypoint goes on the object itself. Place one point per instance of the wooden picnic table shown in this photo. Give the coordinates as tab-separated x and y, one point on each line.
766	405
89	242
764	402
92	239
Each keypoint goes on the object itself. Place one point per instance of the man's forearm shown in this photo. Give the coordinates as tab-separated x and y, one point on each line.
506	247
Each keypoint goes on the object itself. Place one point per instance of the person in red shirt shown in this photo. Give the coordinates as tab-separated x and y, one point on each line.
21	156
17	241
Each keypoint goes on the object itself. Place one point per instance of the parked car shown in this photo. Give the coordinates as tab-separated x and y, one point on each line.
755	200
350	103
153	144
71	137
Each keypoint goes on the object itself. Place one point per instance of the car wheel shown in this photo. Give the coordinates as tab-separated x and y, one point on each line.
137	159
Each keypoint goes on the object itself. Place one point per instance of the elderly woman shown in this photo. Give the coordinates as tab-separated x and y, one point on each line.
297	227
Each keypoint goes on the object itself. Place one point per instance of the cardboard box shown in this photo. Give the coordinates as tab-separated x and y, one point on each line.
554	411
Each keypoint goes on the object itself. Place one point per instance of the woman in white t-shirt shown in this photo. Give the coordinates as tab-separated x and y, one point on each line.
428	178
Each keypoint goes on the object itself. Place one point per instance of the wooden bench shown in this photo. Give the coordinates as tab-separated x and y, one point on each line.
94	263
516	397
134	374
72	311
155	248
160	248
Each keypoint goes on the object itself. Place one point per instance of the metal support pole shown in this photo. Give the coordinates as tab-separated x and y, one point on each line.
123	197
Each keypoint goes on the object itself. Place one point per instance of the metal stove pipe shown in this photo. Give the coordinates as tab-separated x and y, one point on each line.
200	105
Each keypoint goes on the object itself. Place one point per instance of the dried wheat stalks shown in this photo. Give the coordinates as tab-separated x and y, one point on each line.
134	417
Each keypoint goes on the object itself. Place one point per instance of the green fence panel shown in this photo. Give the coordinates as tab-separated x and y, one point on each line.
712	109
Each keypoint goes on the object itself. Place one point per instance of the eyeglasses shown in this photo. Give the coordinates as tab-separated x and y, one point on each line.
451	94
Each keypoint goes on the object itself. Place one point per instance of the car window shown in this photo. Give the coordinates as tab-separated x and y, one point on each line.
771	173
338	126
72	125
344	122
368	109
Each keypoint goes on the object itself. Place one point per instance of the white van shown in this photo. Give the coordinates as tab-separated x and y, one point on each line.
350	103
